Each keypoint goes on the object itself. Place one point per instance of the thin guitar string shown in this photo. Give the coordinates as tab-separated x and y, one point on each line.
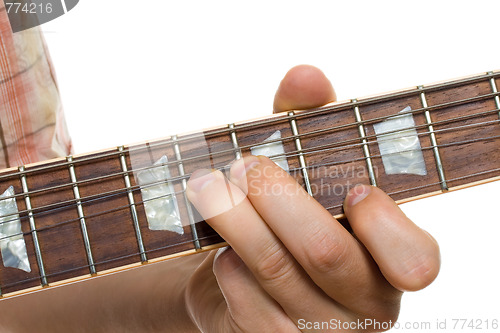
306	113
182	192
106	195
203	238
233	150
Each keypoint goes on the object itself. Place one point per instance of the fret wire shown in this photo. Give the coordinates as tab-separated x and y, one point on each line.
234	140
366	150
305	113
495	90
109	260
404	151
298	146
374	136
430	184
309	167
208	237
437	156
216	235
189	209
446	121
344	126
438	106
133	210
81	216
34	234
113	193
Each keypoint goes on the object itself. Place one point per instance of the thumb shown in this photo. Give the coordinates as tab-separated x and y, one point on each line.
303	87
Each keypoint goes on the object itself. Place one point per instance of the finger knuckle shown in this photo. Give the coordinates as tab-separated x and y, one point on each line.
326	252
275	265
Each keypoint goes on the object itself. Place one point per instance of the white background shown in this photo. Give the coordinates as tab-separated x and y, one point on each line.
137	70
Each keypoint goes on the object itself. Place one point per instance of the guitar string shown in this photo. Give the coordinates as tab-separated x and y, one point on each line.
285	138
51	208
36	278
431	184
233	150
182	192
70	203
332	207
302	114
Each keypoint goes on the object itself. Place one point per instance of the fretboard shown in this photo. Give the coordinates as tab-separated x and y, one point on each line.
85	215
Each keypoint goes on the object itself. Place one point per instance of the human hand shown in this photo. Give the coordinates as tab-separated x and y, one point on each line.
291	264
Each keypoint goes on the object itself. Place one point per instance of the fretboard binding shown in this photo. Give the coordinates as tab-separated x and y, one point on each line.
81	217
364	142
189	209
34	234
298	146
131	201
74	269
234	140
333	108
432	134
495	91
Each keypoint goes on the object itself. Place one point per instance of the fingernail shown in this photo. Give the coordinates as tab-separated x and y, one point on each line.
200	179
240	168
357	194
220	251
230	261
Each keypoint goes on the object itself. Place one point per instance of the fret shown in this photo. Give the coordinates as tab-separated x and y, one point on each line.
189	209
234	140
329	141
495	90
131	201
435	149
81	216
364	141
298	145
34	233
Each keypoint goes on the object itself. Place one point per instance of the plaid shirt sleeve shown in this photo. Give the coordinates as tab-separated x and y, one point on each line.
32	124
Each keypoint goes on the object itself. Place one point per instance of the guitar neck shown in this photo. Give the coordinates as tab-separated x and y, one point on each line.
93	214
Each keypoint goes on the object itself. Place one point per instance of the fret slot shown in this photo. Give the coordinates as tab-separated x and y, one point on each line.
234	140
133	209
366	149
189	209
432	134
298	145
34	233
468	133
495	90
81	216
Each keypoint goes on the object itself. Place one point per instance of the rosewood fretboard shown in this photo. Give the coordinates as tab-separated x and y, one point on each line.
328	150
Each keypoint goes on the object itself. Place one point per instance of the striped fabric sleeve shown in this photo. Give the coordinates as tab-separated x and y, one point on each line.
32	124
